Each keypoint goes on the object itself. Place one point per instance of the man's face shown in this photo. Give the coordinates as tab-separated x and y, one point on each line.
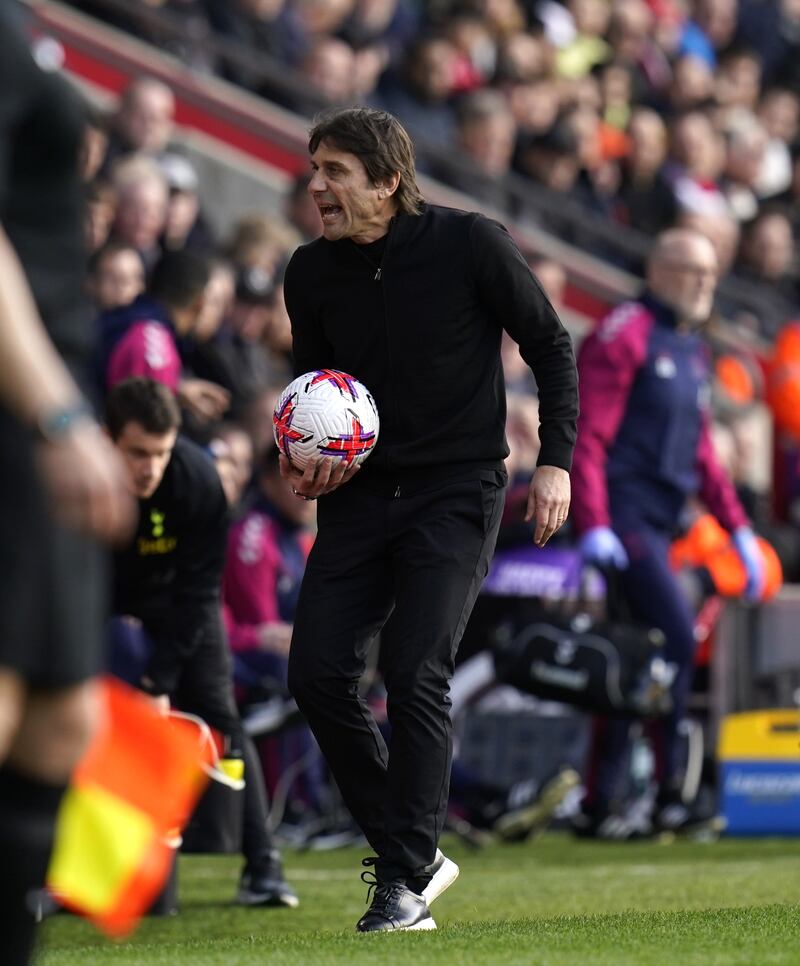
489	142
141	214
118	280
146	456
350	206
685	278
249	319
147	119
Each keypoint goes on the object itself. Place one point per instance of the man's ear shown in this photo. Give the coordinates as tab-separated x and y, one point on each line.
389	185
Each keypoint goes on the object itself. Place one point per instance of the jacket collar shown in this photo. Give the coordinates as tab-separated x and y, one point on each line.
661	312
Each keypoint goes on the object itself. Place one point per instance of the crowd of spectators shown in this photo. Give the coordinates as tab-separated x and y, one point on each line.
634	113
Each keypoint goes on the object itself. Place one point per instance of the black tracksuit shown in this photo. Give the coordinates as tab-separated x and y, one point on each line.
170	577
403	547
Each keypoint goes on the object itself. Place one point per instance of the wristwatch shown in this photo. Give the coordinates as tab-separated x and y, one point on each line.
54	424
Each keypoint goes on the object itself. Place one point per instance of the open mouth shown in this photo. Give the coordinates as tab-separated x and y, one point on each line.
329	212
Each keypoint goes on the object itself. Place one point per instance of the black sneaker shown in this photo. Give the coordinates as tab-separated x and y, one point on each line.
530	814
672	817
608	827
395	907
263	884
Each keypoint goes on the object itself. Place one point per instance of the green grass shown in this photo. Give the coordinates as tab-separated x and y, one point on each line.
554	901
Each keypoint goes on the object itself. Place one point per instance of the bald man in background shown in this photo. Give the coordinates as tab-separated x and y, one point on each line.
644	448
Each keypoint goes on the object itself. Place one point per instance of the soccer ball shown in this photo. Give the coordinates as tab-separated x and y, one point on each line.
325	413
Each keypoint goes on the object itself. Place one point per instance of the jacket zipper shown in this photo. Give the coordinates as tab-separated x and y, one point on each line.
377	278
379	269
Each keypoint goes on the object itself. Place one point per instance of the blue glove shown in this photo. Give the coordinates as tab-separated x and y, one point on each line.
744	540
601	546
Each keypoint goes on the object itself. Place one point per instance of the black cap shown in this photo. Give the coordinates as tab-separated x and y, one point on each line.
560	139
255	285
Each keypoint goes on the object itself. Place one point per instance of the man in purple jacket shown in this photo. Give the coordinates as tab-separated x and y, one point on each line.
644	448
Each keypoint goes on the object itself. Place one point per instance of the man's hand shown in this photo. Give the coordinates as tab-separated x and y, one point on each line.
275	638
86	482
205	400
746	544
548	502
602	547
318	478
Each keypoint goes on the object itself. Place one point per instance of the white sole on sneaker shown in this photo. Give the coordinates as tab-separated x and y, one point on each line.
445	876
425	925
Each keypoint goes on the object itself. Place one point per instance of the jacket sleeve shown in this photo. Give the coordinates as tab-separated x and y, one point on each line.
250	581
716	489
310	349
196	591
608	362
241	637
508	288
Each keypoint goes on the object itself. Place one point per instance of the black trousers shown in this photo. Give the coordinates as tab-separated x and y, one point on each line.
411	566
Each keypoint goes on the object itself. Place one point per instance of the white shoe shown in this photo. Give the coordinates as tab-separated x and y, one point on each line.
445	872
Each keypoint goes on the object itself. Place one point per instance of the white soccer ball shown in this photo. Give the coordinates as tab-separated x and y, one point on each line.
325	413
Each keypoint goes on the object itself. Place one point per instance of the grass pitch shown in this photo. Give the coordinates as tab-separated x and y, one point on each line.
553	901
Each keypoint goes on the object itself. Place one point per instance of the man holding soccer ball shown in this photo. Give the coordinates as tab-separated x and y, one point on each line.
411	299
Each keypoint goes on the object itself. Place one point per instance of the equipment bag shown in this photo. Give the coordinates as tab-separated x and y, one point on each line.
605	668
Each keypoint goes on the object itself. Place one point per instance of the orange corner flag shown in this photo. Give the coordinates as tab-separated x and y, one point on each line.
136	785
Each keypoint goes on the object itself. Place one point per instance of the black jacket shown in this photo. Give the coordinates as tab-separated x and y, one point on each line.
424	337
171	573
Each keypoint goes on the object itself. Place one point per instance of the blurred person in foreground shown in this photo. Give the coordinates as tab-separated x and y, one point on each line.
62	485
404	546
167	637
644	448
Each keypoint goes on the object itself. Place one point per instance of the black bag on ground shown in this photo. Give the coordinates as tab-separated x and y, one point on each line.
605	668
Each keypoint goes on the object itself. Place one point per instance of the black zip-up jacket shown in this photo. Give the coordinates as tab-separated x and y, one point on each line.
418	319
170	574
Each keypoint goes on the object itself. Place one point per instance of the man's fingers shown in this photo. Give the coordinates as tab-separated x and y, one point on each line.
285	467
545	526
220	395
319	478
343	472
549	519
306	484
